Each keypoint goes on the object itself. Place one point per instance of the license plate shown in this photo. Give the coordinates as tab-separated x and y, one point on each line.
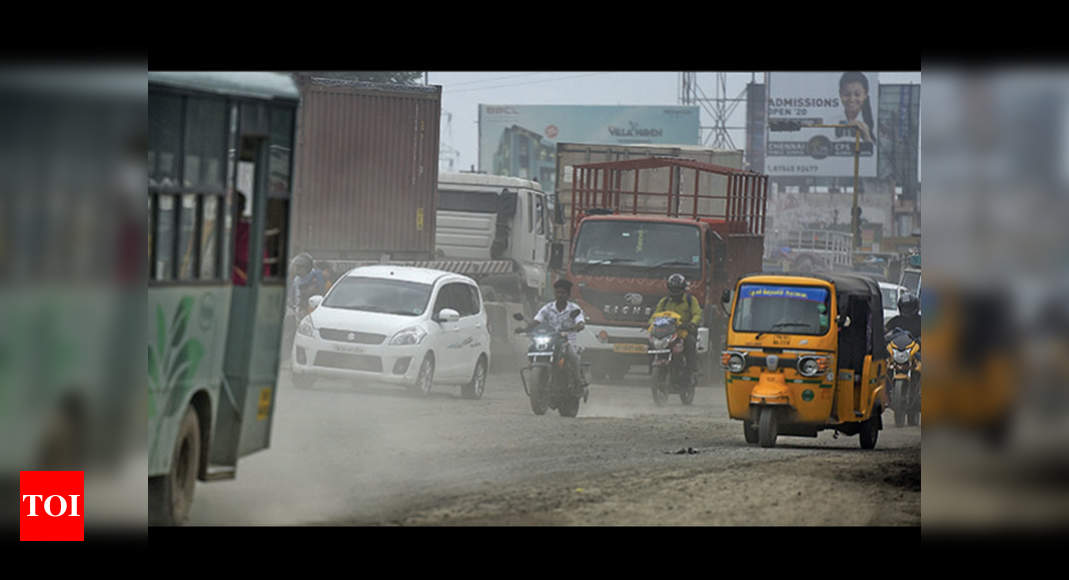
348	348
630	348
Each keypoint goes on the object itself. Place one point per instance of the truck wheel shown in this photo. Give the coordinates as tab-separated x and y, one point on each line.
767	427
170	496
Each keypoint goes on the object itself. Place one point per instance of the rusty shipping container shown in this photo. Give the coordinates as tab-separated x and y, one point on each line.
367	170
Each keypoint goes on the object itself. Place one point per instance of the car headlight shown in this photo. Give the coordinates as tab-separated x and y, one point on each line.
306	327
409	336
542	342
901	356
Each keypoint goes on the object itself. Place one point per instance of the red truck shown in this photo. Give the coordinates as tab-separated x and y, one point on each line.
708	224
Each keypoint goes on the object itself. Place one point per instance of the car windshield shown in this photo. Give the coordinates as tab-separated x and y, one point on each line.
782	309
629	243
379	295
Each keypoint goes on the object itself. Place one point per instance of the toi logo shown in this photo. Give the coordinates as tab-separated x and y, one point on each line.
51	506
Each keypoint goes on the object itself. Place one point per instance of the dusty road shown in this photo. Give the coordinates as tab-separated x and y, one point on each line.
345	454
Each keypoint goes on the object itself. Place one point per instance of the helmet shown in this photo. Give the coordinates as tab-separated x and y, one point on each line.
301	264
908	304
676	284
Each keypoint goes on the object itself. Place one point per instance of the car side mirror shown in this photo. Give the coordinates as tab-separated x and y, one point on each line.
448	315
843	321
517	316
314	302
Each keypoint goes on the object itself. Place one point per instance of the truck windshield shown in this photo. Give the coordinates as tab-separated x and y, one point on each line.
649	245
378	295
782	309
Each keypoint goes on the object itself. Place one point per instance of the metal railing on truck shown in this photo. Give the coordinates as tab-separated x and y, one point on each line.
615	186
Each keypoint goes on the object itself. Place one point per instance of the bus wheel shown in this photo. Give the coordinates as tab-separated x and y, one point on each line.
170	496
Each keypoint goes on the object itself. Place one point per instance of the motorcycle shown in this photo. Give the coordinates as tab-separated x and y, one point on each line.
547	381
904	376
667	361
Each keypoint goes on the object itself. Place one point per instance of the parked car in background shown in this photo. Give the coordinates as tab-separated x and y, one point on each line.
890	292
399	325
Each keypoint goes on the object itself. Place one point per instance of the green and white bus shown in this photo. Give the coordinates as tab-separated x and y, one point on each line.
214	333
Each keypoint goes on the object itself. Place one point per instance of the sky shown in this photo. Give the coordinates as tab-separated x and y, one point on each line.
463	92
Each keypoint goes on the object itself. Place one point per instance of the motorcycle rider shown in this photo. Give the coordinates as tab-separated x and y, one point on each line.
308	281
690	311
908	317
556	315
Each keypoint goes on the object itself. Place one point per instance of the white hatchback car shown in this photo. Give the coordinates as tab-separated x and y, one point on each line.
399	325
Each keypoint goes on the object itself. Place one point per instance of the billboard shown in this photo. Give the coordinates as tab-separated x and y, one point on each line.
520	140
821	98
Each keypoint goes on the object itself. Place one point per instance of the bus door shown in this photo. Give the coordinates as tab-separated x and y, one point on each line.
262	169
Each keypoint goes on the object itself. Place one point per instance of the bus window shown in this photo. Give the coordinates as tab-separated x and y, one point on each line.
164	249
280	157
204	144
209	237
187	225
275	240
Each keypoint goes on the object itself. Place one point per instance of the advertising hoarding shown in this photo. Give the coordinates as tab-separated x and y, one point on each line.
821	98
520	140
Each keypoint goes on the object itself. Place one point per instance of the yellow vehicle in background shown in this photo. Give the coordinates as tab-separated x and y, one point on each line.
805	354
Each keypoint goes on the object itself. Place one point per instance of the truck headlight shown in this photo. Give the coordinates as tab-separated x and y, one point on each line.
306	327
408	336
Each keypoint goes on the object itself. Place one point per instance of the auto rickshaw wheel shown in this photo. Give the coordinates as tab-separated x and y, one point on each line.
749	432
869	432
767	427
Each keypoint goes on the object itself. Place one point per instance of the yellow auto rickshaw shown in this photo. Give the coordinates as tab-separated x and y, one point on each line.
805	354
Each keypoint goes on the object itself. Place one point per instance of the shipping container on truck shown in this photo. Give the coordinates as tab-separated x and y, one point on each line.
366	171
706	223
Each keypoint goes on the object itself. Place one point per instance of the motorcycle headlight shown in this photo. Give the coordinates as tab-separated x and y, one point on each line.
900	356
408	336
661	343
809	367
306	328
542	342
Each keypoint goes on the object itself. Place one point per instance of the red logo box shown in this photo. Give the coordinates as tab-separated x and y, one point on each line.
52	506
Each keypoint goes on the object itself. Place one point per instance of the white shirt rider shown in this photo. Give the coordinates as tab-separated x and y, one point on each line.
560	321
